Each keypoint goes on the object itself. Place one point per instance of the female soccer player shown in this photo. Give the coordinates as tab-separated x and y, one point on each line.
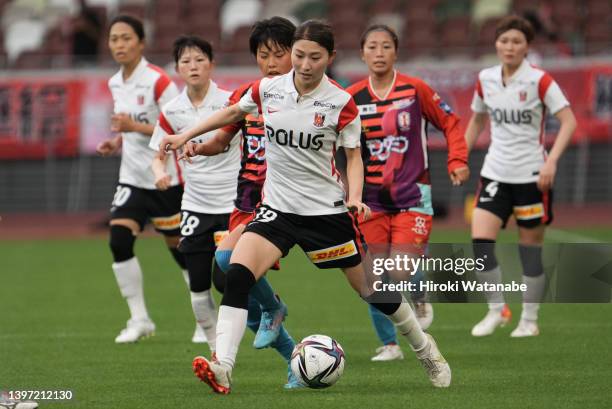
139	91
305	117
394	110
517	175
203	217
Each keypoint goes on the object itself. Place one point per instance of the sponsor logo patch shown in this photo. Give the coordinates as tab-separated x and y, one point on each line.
319	119
533	211
341	251
367	109
167	223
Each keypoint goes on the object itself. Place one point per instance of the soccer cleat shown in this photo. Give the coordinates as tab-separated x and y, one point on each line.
388	352
214	374
491	321
135	330
526	328
199	337
292	381
424	314
269	326
435	365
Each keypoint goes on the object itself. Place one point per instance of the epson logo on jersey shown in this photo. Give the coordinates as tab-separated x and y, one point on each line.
139	117
273	95
512	116
295	139
327	105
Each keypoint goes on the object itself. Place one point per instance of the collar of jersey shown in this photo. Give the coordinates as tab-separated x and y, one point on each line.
290	85
523	67
212	90
141	66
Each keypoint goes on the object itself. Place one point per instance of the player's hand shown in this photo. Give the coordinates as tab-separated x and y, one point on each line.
121	123
189	151
547	176
460	175
356	206
163	181
108	147
172	142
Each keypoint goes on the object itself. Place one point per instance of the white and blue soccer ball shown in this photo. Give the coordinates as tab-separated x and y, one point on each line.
317	361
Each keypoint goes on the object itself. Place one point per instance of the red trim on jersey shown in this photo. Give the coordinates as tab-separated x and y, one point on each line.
333	163
162	82
542	121
543	85
255	95
234	99
165	125
179	172
477	195
347	115
479	89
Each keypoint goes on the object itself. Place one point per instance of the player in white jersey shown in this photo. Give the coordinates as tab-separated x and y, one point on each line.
139	90
210	182
306	116
517	175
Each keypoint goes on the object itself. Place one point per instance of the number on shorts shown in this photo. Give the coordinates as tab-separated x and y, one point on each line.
265	215
189	223
121	196
491	188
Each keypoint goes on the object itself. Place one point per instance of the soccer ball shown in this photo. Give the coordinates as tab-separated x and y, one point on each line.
317	361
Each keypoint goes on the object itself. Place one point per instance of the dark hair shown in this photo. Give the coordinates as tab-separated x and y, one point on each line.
131	21
317	31
275	30
515	22
379	27
191	41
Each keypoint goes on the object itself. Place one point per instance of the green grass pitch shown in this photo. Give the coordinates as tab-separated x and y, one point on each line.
60	310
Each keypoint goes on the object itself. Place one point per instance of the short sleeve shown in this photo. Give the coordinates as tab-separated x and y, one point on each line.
251	101
349	126
478	104
162	128
554	98
165	90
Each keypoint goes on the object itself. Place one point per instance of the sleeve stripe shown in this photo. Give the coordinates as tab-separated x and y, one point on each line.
479	89
160	86
543	85
255	95
165	125
347	115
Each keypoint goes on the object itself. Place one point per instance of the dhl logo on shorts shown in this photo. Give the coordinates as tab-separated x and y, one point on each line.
219	236
528	212
341	251
167	223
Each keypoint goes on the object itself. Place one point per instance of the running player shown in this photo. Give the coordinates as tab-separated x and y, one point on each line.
270	43
306	116
210	183
139	90
395	110
517	175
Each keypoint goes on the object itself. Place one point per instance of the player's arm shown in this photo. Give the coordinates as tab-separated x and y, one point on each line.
211	147
354	177
477	124
161	129
124	123
110	146
568	126
439	113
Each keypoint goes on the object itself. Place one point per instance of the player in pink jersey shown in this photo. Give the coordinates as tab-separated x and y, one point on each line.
306	115
518	174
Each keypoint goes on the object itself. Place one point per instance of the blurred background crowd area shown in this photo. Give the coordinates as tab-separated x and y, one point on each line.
38	34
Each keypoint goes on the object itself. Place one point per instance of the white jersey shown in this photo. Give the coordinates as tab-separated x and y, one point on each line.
210	181
517	112
302	134
141	96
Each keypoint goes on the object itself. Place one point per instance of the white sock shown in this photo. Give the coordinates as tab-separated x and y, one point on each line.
406	323
205	314
536	286
230	330
494	298
129	278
